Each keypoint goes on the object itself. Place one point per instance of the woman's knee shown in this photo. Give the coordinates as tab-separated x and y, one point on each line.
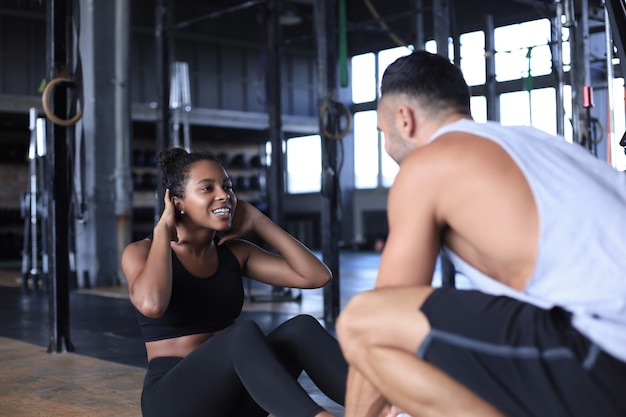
302	321
244	333
296	328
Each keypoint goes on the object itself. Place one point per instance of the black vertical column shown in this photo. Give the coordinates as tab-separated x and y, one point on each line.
162	34
418	19
616	10
59	30
276	190
442	31
441	25
493	100
327	63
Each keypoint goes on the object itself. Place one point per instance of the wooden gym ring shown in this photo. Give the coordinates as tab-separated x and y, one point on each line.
346	112
45	101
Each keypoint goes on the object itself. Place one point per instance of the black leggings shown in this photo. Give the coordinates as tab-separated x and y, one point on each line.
241	372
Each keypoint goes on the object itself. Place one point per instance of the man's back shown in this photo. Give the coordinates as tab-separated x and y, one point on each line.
548	222
466	191
486	208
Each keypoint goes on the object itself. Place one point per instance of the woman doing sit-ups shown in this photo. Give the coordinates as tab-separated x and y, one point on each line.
186	284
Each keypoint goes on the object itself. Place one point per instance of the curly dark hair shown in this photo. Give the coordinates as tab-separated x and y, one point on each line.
175	164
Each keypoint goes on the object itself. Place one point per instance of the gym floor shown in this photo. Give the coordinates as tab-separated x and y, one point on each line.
104	374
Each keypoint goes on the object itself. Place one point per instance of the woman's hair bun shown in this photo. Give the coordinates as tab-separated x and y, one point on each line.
169	157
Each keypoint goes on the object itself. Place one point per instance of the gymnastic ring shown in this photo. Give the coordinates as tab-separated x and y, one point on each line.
587	132
45	99
345	130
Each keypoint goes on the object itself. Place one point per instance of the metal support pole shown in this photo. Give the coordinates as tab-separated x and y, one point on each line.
43	207
162	35
32	155
123	182
441	29
420	37
576	72
557	66
326	36
25	243
276	170
585	88
610	78
616	10
180	103
274	108
441	25
59	19
493	102
29	262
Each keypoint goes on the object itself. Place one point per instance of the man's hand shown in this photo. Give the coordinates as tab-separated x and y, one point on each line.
394	411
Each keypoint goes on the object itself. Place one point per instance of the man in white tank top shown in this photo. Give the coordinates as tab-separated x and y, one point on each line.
535	223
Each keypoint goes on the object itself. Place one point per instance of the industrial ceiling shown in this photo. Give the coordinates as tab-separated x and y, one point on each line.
371	24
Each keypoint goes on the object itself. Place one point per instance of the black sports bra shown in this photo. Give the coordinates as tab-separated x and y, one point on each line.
199	305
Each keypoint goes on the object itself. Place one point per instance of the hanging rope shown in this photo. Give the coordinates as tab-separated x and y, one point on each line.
383	25
45	101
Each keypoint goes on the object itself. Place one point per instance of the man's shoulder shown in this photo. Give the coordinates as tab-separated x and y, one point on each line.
453	149
457	163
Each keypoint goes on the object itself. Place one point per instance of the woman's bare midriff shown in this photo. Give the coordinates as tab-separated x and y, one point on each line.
176	347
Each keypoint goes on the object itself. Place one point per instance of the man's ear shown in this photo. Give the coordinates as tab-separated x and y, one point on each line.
406	122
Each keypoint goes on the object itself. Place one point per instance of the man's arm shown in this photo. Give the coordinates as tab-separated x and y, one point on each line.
408	259
414	238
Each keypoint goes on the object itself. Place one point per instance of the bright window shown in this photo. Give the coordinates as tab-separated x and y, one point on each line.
366	149
304	164
522	53
473	57
363	78
370	154
536	109
478	107
389	166
522	49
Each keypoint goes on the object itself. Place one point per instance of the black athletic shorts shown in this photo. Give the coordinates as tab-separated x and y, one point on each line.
524	360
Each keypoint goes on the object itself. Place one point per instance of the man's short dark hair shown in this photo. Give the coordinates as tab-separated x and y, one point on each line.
432	79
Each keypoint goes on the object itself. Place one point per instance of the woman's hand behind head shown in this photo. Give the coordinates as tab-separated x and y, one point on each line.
244	220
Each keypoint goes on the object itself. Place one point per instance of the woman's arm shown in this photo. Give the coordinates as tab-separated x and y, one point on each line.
294	265
147	266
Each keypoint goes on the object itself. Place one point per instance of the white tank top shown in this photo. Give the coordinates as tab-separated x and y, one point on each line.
581	265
